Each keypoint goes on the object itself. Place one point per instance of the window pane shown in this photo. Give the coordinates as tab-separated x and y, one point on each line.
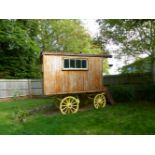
84	64
66	63
78	63
72	63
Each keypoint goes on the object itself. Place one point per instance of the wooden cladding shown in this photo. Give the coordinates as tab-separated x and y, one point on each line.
58	80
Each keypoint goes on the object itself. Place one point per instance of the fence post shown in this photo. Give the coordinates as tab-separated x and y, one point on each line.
29	87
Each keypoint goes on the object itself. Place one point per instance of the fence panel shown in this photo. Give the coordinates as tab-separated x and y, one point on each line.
126	79
20	87
11	88
36	87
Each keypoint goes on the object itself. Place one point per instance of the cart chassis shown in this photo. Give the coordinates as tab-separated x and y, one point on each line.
69	103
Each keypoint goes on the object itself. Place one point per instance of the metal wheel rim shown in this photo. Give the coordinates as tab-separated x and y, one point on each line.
99	101
69	105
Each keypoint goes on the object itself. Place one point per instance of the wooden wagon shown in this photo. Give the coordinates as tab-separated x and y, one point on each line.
69	75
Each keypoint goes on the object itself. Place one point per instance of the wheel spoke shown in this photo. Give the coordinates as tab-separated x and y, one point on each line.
64	108
74	102
63	105
69	100
74	108
97	105
65	111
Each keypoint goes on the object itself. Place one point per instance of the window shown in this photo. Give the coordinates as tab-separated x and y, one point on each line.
78	64
66	63
72	63
84	64
75	64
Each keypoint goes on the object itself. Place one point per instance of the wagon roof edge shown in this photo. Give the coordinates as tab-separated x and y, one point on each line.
77	54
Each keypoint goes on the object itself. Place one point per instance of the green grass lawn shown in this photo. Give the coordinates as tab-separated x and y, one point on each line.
121	118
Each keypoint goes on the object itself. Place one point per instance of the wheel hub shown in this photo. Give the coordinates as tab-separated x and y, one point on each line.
99	101
69	105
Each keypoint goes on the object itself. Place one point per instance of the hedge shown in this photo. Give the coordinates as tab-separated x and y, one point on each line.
145	92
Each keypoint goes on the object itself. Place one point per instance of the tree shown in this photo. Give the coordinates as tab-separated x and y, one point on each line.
18	52
134	37
66	36
21	42
141	65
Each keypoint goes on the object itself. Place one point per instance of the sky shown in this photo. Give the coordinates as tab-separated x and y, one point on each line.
93	29
91	26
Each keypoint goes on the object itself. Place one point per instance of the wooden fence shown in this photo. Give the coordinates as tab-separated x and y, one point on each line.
26	87
20	87
127	79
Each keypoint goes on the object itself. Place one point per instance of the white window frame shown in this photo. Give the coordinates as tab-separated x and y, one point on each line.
73	58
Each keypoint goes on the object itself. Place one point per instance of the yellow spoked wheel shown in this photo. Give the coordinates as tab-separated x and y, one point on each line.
69	105
99	101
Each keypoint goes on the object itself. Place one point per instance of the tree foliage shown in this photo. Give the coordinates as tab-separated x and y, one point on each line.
17	51
66	36
21	42
133	37
141	65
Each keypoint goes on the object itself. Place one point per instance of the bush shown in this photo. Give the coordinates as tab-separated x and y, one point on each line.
143	92
122	92
146	92
21	116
